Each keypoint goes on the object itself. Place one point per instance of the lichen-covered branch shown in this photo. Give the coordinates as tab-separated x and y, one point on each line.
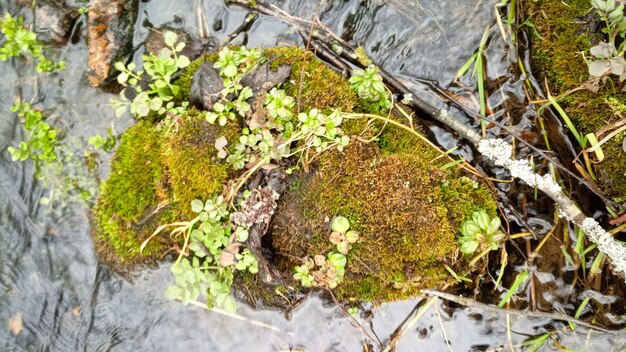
499	151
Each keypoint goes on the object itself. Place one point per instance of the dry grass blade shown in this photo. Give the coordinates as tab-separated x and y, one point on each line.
237	316
532	314
397	336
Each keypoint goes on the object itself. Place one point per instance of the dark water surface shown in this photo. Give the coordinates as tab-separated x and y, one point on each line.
68	301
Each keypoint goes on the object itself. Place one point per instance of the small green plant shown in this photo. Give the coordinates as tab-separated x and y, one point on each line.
369	86
214	243
608	56
328	271
21	41
43	138
341	235
105	143
161	90
481	232
233	65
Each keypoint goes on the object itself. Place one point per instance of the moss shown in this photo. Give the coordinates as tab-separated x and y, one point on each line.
184	81
133	191
567	30
398	204
193	169
153	180
317	85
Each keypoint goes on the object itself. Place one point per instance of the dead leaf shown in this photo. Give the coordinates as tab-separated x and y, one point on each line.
221	143
335	237
16	324
320	260
227	257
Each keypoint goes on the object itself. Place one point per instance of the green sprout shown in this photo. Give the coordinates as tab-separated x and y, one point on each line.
105	143
481	232
21	41
369	86
341	235
608	56
214	244
159	95
43	138
328	271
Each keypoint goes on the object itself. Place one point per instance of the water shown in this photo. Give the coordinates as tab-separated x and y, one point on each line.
68	301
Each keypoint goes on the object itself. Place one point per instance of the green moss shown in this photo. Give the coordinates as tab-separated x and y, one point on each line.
397	202
133	191
558	58
317	85
153	180
184	81
193	169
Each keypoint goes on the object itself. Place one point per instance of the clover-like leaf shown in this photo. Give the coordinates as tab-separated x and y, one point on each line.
494	225
481	218
170	38
469	247
197	205
352	236
340	224
598	68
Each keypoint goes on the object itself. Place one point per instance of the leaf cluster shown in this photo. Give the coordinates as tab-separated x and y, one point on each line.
105	143
214	244
608	56
481	232
21	41
159	71
234	64
43	138
369	86
328	271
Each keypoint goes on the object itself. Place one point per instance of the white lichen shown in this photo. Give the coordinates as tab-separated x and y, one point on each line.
606	243
500	152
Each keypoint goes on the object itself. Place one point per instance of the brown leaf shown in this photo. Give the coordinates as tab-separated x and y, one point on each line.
320	260
335	237
227	257
16	324
220	143
343	247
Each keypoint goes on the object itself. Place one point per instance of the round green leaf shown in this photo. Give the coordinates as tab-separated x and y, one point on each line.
196	205
230	71
340	224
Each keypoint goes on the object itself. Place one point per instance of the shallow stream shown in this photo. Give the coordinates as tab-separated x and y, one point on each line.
68	301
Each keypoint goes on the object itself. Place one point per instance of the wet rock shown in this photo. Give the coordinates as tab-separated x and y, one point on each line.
264	79
53	21
206	85
110	32
194	46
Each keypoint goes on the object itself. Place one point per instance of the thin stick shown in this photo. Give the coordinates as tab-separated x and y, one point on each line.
237	316
394	341
468	302
443	330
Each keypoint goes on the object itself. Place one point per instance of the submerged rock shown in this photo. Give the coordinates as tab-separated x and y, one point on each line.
53	21
110	33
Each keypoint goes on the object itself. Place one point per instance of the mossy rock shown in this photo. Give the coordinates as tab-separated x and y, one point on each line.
393	190
407	210
133	191
154	177
566	30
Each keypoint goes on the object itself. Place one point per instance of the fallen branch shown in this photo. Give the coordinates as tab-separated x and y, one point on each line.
467	302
